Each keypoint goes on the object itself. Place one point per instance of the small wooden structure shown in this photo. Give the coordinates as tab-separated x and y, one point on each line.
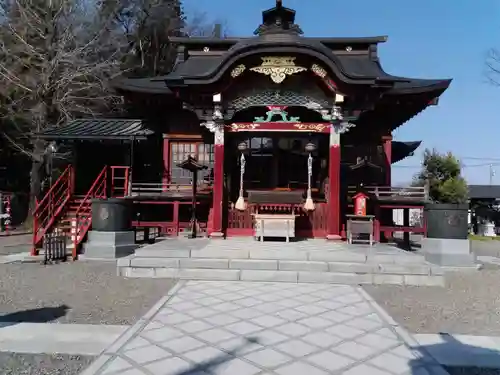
274	214
360	201
383	200
360	224
273	225
192	165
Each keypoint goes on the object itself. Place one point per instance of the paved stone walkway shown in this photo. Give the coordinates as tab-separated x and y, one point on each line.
76	339
248	328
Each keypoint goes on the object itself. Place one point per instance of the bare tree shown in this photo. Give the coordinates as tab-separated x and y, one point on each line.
57	57
146	25
55	61
198	24
493	66
149	30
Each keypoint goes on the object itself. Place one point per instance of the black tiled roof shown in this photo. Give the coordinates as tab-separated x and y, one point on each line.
198	66
484	191
401	150
327	41
206	68
153	85
278	33
95	129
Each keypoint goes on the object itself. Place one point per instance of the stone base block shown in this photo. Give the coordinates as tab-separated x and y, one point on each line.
109	245
448	252
333	237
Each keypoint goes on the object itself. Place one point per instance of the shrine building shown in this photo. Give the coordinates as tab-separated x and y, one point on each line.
280	123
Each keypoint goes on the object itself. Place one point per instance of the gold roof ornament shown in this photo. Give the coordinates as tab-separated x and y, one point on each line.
238	70
318	70
278	67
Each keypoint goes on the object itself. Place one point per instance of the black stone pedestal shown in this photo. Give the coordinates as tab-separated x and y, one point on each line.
112	235
447	230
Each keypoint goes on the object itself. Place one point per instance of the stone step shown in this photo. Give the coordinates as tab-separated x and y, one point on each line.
367	272
281	276
280	265
281	254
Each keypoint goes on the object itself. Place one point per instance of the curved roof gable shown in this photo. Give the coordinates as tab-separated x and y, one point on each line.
401	150
352	60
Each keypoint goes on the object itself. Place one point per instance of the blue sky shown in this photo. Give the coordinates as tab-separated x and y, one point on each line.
427	39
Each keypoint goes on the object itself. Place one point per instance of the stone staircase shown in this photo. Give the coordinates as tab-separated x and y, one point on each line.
312	261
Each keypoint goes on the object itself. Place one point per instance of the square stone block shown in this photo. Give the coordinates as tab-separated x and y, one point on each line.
448	252
109	245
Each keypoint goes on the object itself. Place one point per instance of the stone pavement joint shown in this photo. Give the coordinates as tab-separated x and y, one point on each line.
250	328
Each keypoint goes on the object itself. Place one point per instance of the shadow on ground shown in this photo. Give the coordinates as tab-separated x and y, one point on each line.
40	315
457	358
214	363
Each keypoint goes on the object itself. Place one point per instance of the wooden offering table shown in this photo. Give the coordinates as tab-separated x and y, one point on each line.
360	225
274	214
274	225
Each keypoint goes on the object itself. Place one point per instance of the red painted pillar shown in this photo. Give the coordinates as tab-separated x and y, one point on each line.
166	164
387	142
218	189
334	182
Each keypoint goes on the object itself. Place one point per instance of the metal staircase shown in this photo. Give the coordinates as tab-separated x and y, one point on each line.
51	207
63	213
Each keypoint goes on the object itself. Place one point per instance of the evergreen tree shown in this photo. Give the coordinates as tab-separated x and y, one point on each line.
442	174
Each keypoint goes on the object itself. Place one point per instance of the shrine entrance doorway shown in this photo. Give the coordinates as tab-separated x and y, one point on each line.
276	162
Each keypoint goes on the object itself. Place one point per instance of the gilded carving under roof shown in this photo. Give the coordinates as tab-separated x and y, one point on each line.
238	70
318	70
278	67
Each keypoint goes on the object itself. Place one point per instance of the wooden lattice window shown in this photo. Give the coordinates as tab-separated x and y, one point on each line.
180	151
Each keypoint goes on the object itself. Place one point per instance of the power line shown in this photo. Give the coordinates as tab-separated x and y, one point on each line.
479	158
463	165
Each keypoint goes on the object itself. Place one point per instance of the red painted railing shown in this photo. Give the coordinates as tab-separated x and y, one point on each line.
120	181
50	207
175	224
83	214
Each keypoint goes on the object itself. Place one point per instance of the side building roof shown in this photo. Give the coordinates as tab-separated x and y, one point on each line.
484	191
98	129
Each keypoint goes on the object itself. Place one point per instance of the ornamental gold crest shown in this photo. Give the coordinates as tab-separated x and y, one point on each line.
278	67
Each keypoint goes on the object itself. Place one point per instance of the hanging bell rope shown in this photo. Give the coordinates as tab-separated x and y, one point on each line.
309	204
240	203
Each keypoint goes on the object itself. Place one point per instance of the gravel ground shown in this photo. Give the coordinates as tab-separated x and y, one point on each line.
91	291
489	248
42	364
469	304
15	243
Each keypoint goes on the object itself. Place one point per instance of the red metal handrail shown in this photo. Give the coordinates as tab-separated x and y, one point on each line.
120	173
83	214
50	207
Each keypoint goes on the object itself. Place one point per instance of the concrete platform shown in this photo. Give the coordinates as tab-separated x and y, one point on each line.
50	338
311	261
